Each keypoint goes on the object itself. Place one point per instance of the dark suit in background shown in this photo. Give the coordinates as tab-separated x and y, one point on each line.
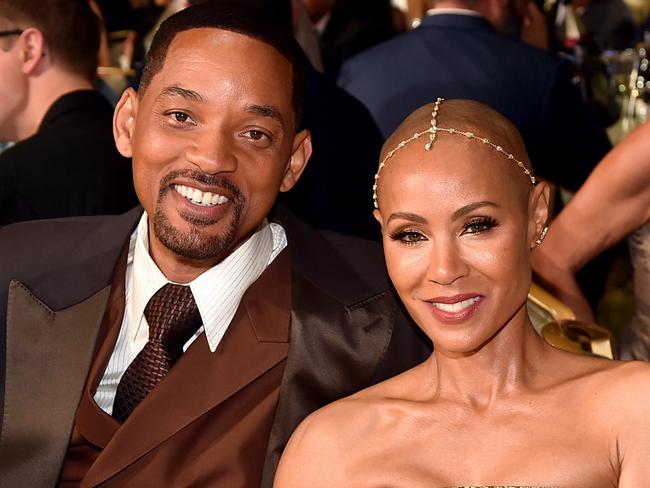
335	190
463	56
70	167
354	25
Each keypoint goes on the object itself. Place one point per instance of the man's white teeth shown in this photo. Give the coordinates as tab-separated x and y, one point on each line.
455	307
198	197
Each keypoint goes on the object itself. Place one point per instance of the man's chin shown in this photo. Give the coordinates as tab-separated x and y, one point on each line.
196	237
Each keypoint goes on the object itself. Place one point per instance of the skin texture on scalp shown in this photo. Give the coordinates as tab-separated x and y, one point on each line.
464	115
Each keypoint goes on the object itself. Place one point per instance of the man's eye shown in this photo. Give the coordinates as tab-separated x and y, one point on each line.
180	116
256	135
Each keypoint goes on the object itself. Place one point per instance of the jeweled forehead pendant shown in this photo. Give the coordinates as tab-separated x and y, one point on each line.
433	131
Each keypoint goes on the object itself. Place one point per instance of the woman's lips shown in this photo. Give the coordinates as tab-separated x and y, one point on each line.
455	309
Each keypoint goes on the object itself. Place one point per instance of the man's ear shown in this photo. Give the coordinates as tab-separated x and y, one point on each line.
124	122
300	154
538	211
31	44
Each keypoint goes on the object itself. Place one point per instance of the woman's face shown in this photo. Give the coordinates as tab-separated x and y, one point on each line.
458	225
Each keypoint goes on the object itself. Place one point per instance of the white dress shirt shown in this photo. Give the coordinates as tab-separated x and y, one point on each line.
217	292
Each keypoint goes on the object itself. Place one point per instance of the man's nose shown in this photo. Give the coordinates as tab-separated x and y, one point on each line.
446	263
212	152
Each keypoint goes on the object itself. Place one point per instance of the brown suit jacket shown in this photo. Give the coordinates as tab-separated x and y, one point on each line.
346	333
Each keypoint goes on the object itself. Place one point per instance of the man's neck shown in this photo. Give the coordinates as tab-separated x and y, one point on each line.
44	90
482	9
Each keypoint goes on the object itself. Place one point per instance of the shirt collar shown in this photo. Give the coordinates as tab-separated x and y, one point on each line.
217	291
449	10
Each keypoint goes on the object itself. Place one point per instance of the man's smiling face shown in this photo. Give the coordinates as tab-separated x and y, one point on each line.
213	141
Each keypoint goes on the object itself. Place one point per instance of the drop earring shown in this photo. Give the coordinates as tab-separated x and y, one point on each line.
540	239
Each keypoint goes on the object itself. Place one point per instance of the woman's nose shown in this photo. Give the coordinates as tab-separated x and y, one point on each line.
446	264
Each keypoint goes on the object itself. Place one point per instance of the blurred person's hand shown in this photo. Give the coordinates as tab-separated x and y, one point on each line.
559	279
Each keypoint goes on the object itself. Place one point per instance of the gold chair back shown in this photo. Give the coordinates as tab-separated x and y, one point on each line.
556	323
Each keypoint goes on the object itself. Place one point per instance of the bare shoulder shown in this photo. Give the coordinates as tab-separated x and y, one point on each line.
316	455
322	447
627	385
618	378
616	391
627	394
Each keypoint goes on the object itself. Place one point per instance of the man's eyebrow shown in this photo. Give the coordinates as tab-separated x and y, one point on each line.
408	216
175	90
266	111
472	206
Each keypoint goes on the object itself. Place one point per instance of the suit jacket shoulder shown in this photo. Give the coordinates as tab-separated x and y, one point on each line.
62	261
349	269
78	251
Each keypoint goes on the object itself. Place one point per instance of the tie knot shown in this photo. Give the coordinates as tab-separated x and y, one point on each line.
173	317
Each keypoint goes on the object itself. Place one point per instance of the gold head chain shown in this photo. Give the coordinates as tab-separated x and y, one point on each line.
432	131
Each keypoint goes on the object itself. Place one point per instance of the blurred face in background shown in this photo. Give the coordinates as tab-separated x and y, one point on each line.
510	17
316	9
13	83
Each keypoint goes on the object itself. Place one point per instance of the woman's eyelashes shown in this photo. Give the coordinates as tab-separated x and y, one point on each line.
473	226
478	225
408	236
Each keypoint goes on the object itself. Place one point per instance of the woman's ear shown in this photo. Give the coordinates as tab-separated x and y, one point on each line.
124	122
377	214
538	212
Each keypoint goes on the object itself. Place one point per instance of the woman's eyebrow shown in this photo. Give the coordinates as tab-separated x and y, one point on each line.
472	206
408	216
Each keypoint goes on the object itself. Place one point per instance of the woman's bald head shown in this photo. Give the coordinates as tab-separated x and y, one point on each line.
463	116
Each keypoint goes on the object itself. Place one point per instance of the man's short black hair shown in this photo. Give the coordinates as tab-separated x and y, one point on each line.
252	18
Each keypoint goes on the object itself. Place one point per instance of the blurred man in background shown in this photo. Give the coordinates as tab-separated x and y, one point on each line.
64	162
466	49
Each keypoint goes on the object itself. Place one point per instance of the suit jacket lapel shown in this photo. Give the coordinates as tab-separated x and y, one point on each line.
51	352
256	341
333	353
93	423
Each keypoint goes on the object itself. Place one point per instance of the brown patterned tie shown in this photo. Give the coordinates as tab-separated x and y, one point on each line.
173	318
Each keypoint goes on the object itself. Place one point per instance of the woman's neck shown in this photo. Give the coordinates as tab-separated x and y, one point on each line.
502	367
